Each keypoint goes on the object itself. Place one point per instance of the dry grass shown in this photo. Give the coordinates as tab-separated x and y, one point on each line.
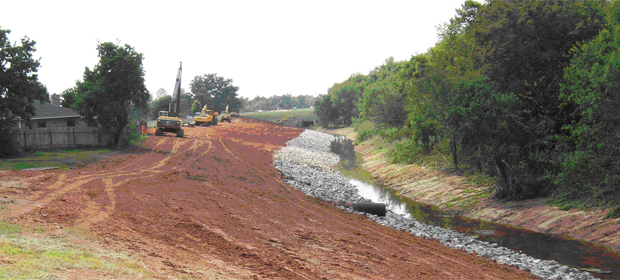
32	254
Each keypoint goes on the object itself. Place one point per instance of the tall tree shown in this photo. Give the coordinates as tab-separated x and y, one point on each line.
113	88
196	107
324	109
68	97
19	87
160	93
215	91
526	46
591	158
160	104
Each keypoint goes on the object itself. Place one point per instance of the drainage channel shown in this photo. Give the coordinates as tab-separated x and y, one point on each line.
602	262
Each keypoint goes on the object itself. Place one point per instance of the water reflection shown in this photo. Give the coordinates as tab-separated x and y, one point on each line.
567	251
381	196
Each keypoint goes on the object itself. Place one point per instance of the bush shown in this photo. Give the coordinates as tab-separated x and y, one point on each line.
135	138
9	141
366	134
407	151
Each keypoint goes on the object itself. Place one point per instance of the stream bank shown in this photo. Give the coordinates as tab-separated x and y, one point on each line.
307	164
452	193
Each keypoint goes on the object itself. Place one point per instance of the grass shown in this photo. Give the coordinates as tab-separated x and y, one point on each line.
63	159
478	179
30	254
276	116
564	203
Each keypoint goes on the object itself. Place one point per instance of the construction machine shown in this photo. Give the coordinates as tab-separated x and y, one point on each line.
170	121
225	115
205	117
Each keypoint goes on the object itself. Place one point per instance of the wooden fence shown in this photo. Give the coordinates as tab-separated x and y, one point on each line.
67	138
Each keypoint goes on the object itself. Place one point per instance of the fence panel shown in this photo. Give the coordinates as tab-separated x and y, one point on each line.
87	138
50	139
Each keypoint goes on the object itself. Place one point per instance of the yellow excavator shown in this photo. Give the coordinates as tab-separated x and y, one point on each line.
170	121
205	117
225	116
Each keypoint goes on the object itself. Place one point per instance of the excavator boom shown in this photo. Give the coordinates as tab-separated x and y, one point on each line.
171	121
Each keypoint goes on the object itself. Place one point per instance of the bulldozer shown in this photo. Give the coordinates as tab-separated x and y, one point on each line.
205	117
170	121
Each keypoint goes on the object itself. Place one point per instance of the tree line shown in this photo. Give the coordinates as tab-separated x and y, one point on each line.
111	95
523	91
277	102
214	91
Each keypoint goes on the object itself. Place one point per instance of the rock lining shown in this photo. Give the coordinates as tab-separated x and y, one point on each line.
311	168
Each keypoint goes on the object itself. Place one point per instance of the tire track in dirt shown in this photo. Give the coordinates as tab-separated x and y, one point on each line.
213	202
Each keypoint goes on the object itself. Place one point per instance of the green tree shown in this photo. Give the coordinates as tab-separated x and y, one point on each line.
324	109
186	104
196	107
591	152
384	95
161	104
216	92
345	97
113	88
68	97
161	93
525	46
19	87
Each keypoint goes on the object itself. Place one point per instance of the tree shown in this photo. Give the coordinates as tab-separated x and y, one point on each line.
68	97
186	104
324	109
161	93
524	47
196	107
526	51
216	92
19	87
591	150
160	104
113	88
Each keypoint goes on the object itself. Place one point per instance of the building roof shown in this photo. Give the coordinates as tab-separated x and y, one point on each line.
44	110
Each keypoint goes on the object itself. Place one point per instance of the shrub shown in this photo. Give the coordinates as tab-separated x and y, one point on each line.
9	141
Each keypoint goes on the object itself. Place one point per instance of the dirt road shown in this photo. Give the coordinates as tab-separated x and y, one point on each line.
212	206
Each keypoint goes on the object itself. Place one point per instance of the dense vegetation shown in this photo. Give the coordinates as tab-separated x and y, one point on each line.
277	102
523	91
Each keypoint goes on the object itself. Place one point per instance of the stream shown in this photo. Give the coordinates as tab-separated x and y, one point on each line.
563	249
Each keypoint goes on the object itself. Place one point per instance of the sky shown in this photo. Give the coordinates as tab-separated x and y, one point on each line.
265	47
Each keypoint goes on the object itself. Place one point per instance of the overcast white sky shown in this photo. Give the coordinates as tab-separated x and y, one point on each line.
266	47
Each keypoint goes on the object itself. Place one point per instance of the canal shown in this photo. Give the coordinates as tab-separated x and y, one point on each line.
579	254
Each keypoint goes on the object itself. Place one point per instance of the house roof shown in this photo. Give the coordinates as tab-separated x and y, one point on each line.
44	110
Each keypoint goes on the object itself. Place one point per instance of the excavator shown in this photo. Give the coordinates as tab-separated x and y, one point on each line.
205	117
225	115
170	121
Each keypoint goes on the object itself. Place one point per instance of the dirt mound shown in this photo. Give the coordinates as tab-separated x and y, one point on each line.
211	205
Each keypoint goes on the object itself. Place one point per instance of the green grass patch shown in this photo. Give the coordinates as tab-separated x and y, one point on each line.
613	213
22	165
564	203
36	256
365	125
63	159
275	116
7	228
478	179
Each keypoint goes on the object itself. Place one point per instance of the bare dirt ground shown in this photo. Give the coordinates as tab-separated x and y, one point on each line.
212	206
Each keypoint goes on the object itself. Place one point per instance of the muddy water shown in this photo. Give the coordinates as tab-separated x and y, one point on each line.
563	249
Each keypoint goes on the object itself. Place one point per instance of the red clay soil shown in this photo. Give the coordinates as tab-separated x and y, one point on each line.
212	206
